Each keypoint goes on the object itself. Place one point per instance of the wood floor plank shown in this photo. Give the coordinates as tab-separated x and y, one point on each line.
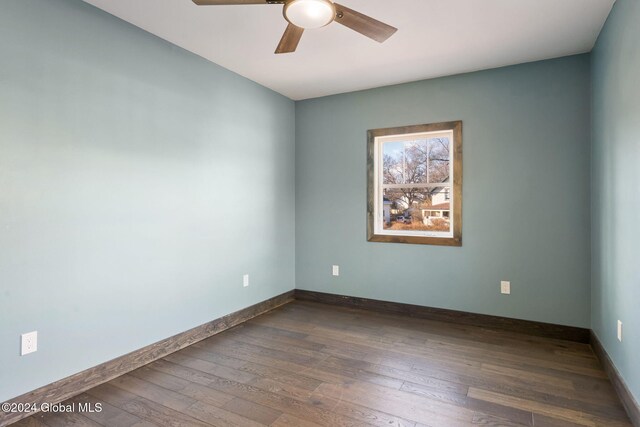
257	395
533	377
369	415
212	368
287	420
283	389
280	336
220	417
198	409
187	388
497	382
108	415
544	421
578	417
259	350
285	376
313	370
492	421
407	405
32	421
456	396
154	393
503	412
143	408
259	413
262	383
68	419
287	345
491	409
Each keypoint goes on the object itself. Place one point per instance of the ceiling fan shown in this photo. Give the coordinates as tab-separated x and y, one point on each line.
308	14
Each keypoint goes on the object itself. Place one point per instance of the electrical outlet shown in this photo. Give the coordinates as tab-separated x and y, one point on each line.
336	270
619	331
505	287
29	343
245	280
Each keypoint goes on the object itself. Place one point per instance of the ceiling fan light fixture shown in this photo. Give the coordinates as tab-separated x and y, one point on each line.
309	14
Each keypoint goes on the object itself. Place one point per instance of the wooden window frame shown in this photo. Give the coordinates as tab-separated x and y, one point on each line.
456	186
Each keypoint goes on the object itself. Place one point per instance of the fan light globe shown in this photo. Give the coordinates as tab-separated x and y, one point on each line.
310	14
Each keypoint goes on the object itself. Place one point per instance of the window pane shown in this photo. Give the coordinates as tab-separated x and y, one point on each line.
439	158
417	209
405	162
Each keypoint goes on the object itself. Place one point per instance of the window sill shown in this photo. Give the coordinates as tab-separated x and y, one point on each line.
417	240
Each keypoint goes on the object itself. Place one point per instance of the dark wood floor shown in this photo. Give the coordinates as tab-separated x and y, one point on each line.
308	364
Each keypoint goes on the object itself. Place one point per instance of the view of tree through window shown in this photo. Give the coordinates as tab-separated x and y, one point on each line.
415	184
412	164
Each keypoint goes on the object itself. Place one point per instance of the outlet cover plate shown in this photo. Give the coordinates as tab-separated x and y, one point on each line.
619	331
245	280
505	287
29	343
335	270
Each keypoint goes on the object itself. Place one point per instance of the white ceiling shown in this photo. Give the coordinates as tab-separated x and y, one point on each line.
435	38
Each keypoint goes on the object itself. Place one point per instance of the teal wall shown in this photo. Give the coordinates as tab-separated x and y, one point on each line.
525	194
138	182
616	189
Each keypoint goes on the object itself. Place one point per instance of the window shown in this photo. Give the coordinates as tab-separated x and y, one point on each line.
415	184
